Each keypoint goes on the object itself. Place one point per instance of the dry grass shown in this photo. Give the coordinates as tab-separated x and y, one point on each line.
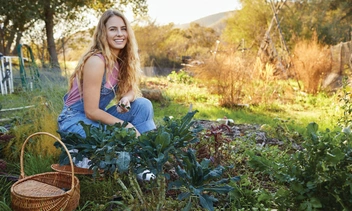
226	75
239	80
311	62
42	118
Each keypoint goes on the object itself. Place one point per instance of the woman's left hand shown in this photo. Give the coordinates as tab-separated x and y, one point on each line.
124	105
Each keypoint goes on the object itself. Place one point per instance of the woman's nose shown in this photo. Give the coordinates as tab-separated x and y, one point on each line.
119	32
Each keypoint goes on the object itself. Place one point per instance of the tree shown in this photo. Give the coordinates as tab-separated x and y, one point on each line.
54	8
248	24
16	17
163	46
52	11
331	20
200	39
299	19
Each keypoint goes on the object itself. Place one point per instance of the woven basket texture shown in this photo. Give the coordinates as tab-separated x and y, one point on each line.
51	191
67	169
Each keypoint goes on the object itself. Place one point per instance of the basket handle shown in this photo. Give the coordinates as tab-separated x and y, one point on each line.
57	139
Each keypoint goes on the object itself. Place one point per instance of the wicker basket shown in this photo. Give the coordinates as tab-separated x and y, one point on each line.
54	191
67	169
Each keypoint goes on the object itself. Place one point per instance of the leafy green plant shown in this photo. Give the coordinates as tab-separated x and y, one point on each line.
116	150
345	120
109	147
105	145
199	180
316	177
165	145
180	77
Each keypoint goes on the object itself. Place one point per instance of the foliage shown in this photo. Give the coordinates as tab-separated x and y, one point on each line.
331	22
115	150
180	77
316	176
36	164
249	23
15	22
311	64
226	75
257	188
298	21
106	146
345	120
98	192
52	12
32	120
154	41
214	144
4	206
5	189
197	179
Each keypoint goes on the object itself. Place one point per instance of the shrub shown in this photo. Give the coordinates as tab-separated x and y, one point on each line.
40	117
311	62
318	176
226	75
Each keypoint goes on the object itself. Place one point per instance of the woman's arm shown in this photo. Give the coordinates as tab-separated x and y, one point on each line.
92	79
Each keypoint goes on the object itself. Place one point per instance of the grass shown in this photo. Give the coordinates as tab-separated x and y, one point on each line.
321	108
297	112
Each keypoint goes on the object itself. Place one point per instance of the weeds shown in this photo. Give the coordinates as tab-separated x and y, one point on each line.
291	165
345	120
311	63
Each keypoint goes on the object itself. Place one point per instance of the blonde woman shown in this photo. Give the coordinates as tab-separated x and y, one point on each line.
109	70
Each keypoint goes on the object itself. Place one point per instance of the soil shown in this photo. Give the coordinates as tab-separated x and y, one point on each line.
234	131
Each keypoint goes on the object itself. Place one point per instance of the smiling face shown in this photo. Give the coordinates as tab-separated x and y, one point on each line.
116	34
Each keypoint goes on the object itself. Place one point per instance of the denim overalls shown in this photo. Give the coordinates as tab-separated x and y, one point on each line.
140	115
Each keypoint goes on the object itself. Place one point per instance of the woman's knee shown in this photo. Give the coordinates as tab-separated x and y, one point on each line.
143	103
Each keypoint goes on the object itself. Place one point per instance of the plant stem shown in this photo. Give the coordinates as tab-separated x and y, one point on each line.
136	188
162	186
123	186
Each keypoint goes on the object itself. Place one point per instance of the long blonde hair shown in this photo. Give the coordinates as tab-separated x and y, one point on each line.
128	58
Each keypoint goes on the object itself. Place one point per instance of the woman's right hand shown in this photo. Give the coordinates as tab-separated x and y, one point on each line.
131	126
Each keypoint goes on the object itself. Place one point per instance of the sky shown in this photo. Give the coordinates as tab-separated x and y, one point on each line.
185	11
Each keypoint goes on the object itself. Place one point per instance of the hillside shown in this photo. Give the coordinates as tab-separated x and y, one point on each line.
76	44
215	21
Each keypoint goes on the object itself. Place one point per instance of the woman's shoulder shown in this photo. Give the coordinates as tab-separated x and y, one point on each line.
100	55
95	61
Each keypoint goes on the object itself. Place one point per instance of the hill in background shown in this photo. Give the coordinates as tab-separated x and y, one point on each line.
76	43
215	21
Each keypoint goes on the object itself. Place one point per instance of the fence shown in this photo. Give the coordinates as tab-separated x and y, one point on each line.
6	75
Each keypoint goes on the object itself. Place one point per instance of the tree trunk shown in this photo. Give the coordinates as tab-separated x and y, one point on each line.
9	42
49	29
2	40
18	41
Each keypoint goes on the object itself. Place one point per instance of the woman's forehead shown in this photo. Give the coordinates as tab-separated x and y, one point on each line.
115	21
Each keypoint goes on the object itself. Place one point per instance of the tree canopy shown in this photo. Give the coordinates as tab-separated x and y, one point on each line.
330	20
17	17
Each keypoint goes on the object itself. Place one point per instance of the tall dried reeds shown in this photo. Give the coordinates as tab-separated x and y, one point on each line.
311	63
39	118
226	75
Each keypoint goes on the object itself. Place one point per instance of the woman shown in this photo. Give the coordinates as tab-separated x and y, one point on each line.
109	70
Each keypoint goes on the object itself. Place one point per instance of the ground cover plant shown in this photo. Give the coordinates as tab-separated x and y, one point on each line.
289	152
276	133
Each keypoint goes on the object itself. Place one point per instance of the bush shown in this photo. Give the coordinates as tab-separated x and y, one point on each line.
311	62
